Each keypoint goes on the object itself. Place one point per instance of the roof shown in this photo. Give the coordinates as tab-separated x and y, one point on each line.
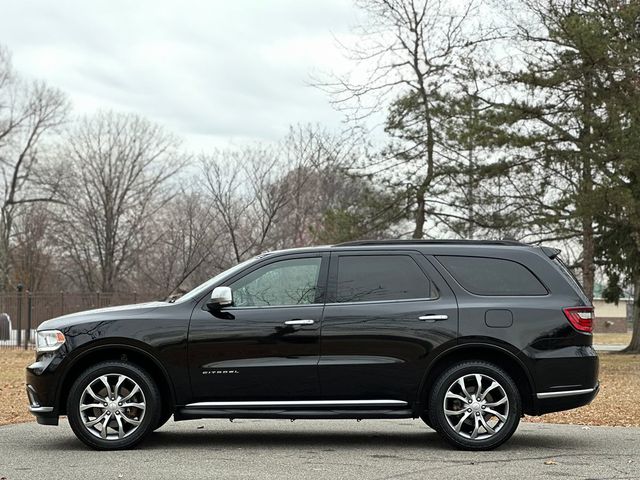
391	243
358	243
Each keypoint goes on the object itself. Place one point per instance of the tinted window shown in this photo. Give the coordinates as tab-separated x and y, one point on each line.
289	282
492	276
366	278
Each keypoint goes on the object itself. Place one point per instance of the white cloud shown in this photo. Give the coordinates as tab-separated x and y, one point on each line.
212	71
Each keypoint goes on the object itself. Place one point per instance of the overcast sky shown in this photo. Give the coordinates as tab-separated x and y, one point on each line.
216	72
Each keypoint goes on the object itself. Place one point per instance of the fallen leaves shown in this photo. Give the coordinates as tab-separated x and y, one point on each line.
13	397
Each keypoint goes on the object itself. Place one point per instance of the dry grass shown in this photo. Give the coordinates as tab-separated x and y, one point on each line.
616	404
612	338
12	391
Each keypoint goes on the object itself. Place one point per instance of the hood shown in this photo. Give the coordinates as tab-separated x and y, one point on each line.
101	314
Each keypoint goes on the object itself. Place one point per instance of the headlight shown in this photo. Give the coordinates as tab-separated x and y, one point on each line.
49	340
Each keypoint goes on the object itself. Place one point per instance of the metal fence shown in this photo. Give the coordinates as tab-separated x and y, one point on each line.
22	312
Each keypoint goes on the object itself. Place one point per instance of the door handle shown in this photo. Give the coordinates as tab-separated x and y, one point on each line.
299	322
433	318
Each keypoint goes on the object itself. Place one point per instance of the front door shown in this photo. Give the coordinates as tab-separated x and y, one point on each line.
387	314
266	345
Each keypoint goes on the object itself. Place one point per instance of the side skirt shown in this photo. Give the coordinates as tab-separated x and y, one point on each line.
319	409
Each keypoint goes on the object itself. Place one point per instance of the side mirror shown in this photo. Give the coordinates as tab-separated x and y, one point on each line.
220	297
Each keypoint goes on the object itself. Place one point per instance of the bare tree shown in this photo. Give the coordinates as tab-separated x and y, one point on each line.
248	195
32	255
185	243
28	112
119	169
243	202
329	200
323	161
270	197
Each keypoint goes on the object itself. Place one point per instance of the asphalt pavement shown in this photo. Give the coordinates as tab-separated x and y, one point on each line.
314	449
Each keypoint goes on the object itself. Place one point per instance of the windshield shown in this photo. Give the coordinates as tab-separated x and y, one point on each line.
199	290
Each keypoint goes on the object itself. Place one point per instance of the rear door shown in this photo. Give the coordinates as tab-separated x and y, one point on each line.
388	313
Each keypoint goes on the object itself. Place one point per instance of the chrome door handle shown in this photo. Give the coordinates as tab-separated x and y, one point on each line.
433	318
299	322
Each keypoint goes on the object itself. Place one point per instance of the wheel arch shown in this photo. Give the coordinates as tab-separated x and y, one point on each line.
117	351
498	355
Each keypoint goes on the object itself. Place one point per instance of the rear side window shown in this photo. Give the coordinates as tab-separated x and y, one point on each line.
492	276
368	278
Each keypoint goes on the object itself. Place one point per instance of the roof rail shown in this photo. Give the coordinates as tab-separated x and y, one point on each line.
358	243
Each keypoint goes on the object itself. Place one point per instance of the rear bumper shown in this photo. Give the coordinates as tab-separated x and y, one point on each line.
547	402
564	378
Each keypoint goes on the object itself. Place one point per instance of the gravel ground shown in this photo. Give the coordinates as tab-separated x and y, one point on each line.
276	449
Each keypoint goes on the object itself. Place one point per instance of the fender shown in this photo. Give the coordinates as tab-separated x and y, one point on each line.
468	344
124	344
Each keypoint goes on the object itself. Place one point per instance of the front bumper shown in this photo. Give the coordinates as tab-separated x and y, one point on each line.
42	385
44	414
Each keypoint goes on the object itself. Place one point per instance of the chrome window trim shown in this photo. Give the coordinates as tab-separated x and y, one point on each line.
259	307
403	300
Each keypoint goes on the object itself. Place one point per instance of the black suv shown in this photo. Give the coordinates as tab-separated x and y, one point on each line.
466	335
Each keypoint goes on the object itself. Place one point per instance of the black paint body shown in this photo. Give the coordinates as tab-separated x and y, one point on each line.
352	351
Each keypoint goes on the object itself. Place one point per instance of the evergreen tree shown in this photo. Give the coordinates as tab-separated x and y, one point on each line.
552	126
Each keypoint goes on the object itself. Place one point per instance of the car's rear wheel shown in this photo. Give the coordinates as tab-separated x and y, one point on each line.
475	405
113	405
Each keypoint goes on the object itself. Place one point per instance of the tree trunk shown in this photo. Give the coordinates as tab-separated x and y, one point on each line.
6	224
588	254
634	346
418	232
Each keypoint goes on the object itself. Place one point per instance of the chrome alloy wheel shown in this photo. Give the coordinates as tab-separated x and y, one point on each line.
112	406
476	406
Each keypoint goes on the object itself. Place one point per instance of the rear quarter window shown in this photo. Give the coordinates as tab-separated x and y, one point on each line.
572	279
492	276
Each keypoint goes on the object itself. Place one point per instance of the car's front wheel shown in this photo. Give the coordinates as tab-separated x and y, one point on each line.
113	405
475	405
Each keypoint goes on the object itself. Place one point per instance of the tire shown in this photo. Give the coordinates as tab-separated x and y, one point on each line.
463	426
105	423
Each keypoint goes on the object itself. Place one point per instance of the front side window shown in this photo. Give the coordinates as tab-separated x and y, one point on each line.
367	278
492	276
288	282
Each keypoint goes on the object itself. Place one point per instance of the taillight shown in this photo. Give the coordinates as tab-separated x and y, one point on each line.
580	317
